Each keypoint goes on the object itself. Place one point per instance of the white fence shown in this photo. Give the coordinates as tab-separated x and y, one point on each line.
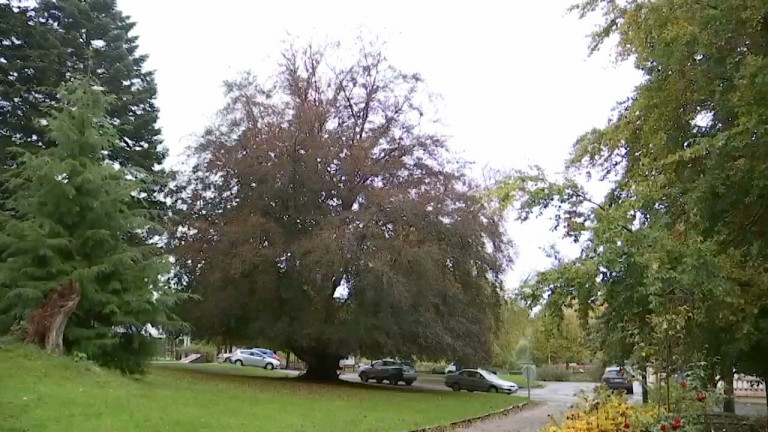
748	386
743	385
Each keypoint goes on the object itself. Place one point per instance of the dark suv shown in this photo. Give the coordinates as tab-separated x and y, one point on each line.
389	370
616	378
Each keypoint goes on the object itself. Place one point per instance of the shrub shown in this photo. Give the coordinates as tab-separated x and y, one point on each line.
209	352
552	373
433	368
610	412
128	353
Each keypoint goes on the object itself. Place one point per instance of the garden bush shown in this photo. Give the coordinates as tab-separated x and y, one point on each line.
552	373
433	368
607	412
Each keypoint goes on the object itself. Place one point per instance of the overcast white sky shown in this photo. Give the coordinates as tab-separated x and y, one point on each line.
517	86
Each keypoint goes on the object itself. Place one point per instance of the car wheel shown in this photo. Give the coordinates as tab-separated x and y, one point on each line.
456	387
269	366
364	378
239	362
493	389
409	383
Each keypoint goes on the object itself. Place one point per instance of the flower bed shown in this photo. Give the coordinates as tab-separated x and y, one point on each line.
611	412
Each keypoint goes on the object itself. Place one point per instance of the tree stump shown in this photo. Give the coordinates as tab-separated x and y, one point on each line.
47	322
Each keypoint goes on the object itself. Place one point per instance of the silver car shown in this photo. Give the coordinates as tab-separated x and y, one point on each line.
479	380
253	358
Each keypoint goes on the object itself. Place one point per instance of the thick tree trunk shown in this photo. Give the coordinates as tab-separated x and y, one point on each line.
726	374
644	372
320	366
47	322
765	387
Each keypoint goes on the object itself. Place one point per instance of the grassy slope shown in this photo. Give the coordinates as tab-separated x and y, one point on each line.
520	380
43	393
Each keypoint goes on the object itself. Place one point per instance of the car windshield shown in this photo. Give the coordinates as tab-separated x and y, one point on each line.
488	375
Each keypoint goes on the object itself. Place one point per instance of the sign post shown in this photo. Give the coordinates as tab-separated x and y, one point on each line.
529	372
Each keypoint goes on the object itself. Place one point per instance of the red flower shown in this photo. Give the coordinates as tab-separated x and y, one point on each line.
701	397
663	428
626	425
676	423
683	384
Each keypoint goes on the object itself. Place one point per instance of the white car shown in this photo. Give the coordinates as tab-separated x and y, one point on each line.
253	358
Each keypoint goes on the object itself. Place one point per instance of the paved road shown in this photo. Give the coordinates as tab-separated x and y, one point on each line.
552	400
556	392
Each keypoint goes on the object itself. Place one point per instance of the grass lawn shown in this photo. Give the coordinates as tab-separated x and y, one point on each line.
520	381
44	393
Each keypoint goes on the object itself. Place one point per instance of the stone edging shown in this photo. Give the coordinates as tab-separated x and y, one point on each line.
466	422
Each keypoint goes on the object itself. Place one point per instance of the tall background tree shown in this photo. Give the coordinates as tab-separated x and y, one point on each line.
42	46
70	264
323	217
683	232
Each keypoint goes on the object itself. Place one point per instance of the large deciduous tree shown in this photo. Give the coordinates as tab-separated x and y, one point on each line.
683	233
74	265
323	216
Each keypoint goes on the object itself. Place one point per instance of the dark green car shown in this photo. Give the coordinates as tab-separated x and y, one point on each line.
480	380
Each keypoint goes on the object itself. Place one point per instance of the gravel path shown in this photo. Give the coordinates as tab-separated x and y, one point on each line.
528	420
551	401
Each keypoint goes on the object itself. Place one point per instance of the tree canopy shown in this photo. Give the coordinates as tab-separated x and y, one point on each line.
45	44
680	240
323	216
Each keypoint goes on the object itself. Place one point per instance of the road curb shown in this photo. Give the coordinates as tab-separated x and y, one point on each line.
469	421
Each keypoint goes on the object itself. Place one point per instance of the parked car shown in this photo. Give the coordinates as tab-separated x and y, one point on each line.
253	358
268	353
616	378
452	368
223	358
479	380
392	371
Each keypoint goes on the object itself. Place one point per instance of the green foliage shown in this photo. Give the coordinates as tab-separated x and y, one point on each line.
72	216
673	258
128	352
511	341
557	337
47	42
